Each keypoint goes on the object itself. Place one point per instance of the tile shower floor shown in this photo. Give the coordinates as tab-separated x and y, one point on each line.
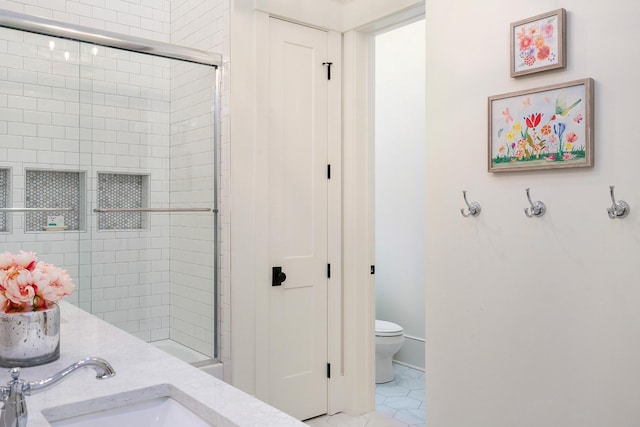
399	403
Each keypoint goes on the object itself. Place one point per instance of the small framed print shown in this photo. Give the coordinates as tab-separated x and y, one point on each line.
538	43
546	128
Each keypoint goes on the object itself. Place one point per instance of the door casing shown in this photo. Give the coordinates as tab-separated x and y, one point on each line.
352	298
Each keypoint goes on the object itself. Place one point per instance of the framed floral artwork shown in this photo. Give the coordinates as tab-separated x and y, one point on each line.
546	128
538	43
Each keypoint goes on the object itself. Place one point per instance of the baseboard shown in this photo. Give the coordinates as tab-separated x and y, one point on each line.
417	368
412	352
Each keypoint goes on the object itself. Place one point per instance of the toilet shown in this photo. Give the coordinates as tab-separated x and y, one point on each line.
389	339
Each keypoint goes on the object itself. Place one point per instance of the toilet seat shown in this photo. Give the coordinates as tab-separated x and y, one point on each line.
387	329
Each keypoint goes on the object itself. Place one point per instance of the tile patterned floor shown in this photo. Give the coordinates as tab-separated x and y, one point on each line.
402	400
399	403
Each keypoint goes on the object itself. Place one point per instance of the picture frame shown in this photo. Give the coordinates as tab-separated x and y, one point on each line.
550	127
538	43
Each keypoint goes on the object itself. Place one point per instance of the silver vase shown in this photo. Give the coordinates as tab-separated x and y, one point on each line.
29	339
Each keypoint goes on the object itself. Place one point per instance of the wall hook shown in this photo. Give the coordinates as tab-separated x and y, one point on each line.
618	209
537	209
474	208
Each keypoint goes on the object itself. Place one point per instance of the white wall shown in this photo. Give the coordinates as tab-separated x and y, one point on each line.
400	184
530	322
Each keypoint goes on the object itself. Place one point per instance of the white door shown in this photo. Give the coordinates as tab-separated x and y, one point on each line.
298	184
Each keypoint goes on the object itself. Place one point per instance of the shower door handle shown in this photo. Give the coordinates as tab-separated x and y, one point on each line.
277	276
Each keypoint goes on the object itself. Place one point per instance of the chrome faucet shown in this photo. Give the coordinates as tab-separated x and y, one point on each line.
14	412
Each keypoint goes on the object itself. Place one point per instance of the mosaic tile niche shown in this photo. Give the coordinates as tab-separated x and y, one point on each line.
4	199
122	191
54	189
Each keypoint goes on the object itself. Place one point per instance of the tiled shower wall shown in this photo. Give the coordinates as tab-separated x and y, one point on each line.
204	24
77	108
196	23
124	129
39	107
192	186
149	19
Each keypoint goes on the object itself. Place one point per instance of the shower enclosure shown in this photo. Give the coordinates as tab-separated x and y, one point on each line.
108	168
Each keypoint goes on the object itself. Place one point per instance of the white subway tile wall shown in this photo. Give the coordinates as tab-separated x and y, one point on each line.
192	185
116	114
30	134
124	123
204	24
150	19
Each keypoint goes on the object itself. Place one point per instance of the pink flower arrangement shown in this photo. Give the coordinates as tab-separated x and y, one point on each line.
27	284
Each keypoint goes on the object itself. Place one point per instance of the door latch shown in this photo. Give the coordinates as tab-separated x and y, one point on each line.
277	276
328	64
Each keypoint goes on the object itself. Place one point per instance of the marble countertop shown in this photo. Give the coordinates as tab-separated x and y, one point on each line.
138	365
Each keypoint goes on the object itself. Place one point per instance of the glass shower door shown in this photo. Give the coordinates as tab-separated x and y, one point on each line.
148	142
108	169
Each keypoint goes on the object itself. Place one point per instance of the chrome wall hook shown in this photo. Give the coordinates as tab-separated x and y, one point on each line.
474	208
537	208
618	209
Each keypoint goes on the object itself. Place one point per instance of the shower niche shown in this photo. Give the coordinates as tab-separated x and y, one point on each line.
121	200
5	200
53	190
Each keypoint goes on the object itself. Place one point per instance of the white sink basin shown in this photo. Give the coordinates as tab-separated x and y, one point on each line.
159	406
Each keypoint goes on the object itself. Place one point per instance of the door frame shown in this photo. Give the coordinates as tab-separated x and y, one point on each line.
334	224
352	298
359	205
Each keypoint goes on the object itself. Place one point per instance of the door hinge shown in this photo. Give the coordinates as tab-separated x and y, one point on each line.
329	271
328	171
328	370
373	269
328	64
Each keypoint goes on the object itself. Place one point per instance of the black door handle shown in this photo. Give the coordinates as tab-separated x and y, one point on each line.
277	276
